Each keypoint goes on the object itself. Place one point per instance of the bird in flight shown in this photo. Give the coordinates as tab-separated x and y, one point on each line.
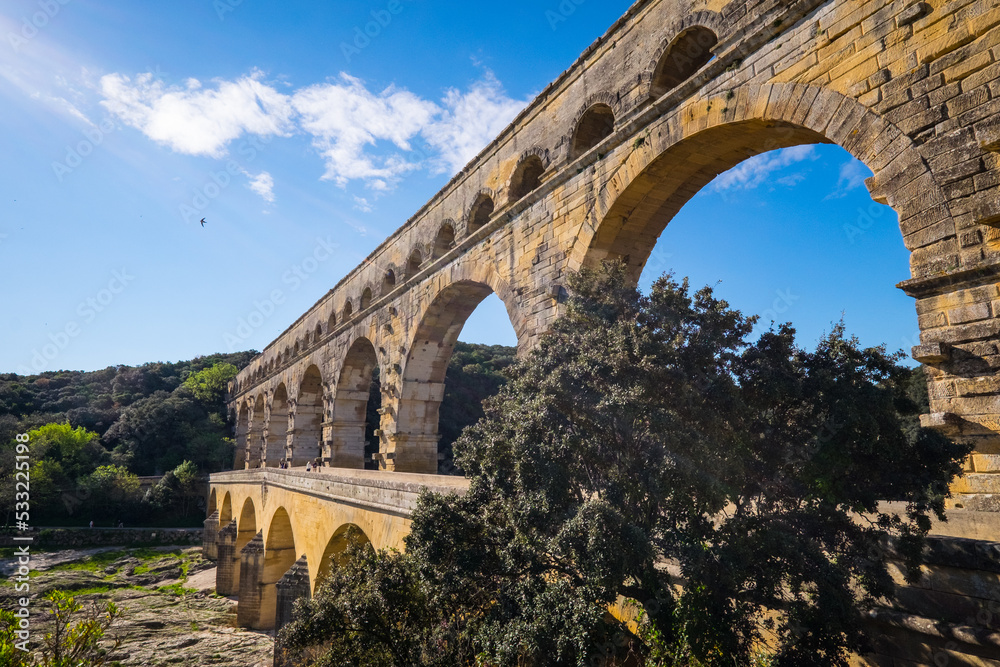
203	222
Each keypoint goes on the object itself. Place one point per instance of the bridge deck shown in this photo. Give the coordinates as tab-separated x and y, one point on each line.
395	493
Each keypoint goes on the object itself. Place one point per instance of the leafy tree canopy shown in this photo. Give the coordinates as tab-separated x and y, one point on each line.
210	385
723	493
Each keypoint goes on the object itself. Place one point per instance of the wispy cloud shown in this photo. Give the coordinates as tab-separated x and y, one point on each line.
195	120
759	169
263	185
470	121
361	135
346	118
852	176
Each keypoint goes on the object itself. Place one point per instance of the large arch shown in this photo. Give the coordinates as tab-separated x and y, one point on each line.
246	525
277	428
306	441
279	556
414	445
350	405
242	432
336	551
255	437
246	529
226	510
659	178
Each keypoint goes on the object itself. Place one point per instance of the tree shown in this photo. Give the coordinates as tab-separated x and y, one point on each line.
725	492
112	491
178	491
78	635
372	611
77	450
211	384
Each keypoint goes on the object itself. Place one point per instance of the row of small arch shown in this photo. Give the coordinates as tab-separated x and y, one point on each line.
687	51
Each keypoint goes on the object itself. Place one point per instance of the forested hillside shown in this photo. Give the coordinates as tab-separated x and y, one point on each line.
94	433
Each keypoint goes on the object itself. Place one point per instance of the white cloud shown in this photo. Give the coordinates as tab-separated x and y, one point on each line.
346	118
374	137
263	184
757	170
362	204
852	176
195	120
470	121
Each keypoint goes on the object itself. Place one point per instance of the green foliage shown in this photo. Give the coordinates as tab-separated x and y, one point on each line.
76	450
10	655
647	430
372	611
475	373
111	490
75	639
146	419
210	385
178	491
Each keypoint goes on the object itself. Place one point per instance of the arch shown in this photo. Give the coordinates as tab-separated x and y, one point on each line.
246	525
226	511
307	434
350	405
687	51
481	212
595	124
366	300
331	322
413	263
279	557
526	178
663	178
336	551
241	454
255	440
213	502
317	333
431	348
388	281
277	428
348	311
444	241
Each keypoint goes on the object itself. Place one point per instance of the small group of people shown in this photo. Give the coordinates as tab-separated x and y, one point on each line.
315	464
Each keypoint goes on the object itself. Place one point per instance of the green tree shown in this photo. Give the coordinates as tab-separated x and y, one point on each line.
112	492
178	491
77	450
78	636
648	444
210	385
10	654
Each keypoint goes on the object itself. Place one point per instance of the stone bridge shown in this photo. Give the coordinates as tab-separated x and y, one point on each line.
275	533
677	92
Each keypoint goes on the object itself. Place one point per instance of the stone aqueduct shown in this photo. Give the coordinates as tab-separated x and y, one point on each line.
677	92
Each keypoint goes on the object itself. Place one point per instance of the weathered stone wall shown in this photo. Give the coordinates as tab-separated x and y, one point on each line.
950	617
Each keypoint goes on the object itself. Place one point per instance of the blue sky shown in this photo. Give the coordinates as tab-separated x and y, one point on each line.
124	123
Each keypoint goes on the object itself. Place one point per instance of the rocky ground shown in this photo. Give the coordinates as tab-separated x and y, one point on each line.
171	613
